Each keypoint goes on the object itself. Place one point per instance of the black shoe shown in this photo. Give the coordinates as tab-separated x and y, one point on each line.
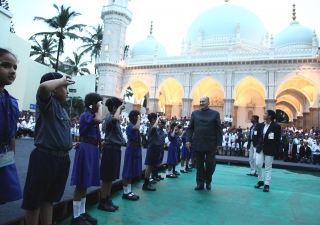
90	219
250	174
151	181
171	176
137	196
259	184
208	186
160	178
176	173
156	178
183	171
255	174
148	188
113	205
189	170
80	220
106	207
129	196
199	187
266	188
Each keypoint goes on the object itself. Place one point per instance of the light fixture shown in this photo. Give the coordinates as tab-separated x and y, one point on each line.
102	86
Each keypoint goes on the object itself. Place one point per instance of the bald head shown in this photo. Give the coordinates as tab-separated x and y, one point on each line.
204	102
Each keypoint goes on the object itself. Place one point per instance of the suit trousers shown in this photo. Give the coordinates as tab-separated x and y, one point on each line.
260	157
204	174
252	159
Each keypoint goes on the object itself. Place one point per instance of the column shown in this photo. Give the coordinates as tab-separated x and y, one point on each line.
271	104
306	120
299	122
153	105
235	116
314	117
186	107
137	107
295	122
168	111
228	108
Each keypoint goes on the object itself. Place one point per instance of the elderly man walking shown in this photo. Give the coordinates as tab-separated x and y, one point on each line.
205	126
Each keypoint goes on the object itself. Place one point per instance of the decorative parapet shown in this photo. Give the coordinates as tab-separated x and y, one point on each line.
118	10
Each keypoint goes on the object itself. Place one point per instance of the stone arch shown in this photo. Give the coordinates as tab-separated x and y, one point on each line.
305	86
246	84
170	94
195	86
288	108
139	88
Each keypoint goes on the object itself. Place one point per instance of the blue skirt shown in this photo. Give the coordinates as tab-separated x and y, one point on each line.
153	154
132	165
86	171
10	189
172	155
185	154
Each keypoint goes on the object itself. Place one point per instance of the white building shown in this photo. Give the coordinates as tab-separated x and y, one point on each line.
227	55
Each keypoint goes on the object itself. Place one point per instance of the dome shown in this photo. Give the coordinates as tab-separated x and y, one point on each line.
223	20
295	33
147	48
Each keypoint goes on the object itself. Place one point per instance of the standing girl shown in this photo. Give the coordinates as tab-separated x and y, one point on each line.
185	152
132	166
9	114
85	171
172	159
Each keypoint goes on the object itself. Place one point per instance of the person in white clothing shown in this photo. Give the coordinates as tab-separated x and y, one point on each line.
316	152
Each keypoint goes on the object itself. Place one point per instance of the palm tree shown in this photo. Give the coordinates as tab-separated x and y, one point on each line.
128	94
74	106
92	44
43	50
61	24
281	116
74	66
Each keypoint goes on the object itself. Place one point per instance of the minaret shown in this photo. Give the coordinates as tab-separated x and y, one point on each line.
116	18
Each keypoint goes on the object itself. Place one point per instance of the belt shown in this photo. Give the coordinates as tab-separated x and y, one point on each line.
159	146
90	141
53	152
117	147
134	143
4	145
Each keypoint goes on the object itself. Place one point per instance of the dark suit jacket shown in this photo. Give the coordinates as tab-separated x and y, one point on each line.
206	127
294	151
269	147
304	152
255	138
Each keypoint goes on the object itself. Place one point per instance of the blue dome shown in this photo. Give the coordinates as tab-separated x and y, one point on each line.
147	48
295	33
223	20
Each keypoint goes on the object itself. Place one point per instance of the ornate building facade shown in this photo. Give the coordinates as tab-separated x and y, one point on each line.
231	59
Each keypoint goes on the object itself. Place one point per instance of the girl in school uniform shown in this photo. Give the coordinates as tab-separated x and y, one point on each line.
86	172
185	153
172	159
9	114
132	166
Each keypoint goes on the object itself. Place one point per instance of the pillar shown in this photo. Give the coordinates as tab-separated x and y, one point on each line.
299	122
314	117
186	107
271	104
137	107
235	116
168	111
295	122
306	120
228	108
153	105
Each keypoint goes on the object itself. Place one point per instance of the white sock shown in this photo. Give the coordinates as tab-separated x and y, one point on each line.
182	168
129	188
83	206
169	172
76	208
125	190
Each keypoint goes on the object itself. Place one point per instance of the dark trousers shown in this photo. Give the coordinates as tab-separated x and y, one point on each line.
204	173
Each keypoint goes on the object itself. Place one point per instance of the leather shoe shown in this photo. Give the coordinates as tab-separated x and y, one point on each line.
148	188
259	184
208	186
106	207
250	174
151	181
266	188
199	187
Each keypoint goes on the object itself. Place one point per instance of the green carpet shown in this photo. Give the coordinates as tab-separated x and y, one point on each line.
294	198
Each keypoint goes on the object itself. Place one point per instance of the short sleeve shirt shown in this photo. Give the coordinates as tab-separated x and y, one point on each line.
52	130
86	127
154	137
113	134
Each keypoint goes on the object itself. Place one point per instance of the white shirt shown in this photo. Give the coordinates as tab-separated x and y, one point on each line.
314	148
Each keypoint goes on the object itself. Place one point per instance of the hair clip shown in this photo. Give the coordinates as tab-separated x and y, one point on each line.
90	106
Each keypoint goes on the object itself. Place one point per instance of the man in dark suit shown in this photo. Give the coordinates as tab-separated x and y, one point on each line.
290	152
304	152
253	139
206	127
267	148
